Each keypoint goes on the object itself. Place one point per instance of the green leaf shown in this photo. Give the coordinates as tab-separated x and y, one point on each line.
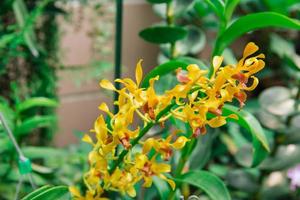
35	122
33	152
230	5
248	121
163	34
218	7
53	193
36	192
162	187
36	102
208	182
159	1
253	22
171	66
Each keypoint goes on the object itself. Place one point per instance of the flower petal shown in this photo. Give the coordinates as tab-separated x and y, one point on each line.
139	72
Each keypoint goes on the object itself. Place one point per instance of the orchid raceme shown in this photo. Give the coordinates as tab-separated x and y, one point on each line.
198	101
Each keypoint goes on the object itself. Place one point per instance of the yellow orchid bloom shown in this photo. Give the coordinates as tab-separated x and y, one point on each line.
164	146
151	168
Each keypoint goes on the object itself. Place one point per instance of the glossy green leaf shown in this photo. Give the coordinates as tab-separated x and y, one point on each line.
163	34
208	182
36	122
171	66
253	22
36	192
52	193
159	1
36	102
248	121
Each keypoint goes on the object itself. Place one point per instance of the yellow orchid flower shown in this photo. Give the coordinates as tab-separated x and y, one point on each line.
164	146
151	168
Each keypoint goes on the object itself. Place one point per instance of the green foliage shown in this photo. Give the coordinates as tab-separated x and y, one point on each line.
163	34
253	22
208	182
48	193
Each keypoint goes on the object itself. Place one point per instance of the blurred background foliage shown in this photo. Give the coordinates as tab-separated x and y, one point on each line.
29	48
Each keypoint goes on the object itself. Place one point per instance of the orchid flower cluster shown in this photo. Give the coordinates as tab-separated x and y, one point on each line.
191	100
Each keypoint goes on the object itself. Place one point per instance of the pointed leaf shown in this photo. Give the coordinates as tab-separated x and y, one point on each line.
208	182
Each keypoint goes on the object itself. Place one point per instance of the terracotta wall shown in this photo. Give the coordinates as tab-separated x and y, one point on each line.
79	102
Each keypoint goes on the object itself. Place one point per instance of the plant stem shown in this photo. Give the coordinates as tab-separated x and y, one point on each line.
137	139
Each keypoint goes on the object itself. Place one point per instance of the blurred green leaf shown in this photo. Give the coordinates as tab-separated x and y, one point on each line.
253	22
230	5
33	152
159	1
21	14
208	182
248	121
162	187
35	122
163	34
52	193
243	180
170	67
218	7
193	43
36	102
36	192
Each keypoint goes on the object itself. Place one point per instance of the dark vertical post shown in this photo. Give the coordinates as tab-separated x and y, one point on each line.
118	46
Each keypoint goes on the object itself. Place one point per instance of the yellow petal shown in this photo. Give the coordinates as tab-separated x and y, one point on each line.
233	116
254	84
74	191
250	49
217	61
217	122
180	142
160	167
139	72
149	143
107	85
171	182
86	138
131	192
